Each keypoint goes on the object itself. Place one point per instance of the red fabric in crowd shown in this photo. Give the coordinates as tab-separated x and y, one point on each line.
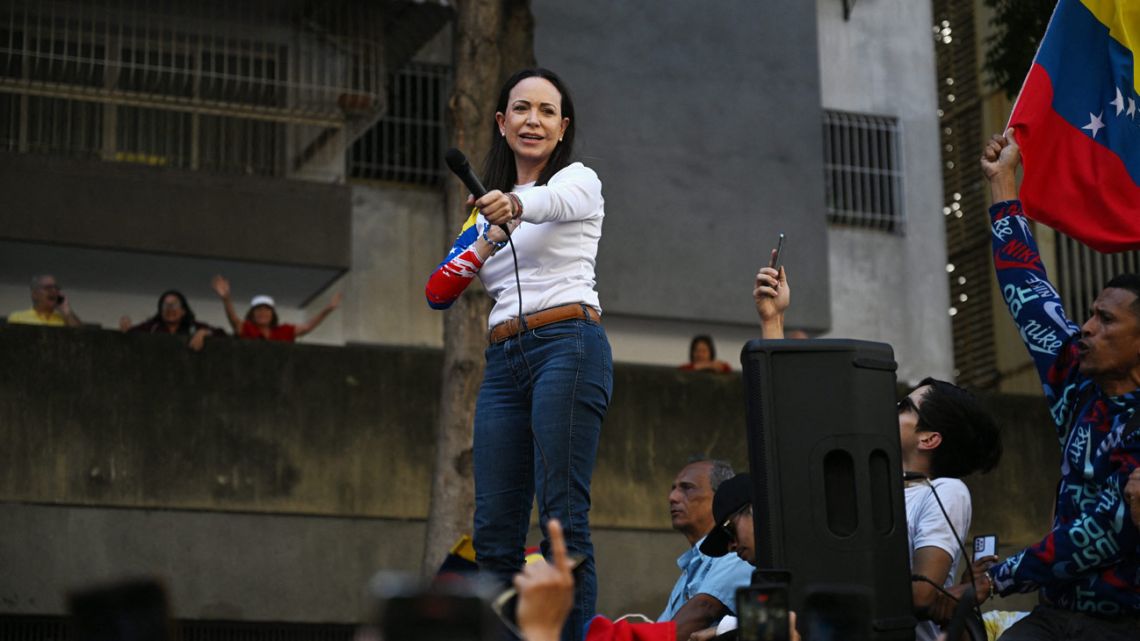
602	629
284	332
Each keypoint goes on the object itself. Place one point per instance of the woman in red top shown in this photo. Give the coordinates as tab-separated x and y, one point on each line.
702	356
261	320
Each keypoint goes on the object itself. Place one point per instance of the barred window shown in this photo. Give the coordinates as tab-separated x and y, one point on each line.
863	171
257	87
407	143
1083	273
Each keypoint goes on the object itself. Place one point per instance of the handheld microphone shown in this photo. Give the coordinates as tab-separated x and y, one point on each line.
459	166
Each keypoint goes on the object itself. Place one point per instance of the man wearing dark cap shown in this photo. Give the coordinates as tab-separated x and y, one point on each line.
732	513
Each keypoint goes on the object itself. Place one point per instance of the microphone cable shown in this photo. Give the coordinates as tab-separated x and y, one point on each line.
957	539
543	508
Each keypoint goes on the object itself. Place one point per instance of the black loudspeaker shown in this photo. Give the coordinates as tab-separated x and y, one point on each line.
823	447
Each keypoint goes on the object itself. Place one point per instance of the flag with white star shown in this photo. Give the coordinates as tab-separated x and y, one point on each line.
1077	124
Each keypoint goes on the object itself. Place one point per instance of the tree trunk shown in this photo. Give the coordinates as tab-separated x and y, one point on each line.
492	39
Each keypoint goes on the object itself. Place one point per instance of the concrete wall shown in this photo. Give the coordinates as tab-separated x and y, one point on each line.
398	238
700	169
145	209
888	287
268	481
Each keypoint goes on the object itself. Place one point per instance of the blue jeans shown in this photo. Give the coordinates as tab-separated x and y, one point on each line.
557	381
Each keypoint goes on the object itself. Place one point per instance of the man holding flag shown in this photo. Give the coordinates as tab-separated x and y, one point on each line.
1087	568
1077	127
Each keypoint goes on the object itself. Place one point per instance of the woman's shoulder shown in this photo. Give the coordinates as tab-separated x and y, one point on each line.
575	171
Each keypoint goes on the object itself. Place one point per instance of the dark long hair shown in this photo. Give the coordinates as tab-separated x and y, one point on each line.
499	171
187	324
697	340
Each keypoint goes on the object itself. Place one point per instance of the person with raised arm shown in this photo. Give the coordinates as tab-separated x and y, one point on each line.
1086	569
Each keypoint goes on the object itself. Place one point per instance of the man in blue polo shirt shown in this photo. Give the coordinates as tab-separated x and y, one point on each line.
706	589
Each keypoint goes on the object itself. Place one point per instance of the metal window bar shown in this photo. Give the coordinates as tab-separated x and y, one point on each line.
407	143
863	175
1084	272
200	85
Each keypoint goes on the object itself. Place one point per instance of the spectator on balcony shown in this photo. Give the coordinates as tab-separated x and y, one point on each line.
174	316
49	306
702	356
261	322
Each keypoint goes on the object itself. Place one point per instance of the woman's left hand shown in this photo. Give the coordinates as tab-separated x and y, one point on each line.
198	340
496	233
496	207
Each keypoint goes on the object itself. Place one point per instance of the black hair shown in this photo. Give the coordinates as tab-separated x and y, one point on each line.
971	440
707	340
272	323
186	325
1129	282
499	170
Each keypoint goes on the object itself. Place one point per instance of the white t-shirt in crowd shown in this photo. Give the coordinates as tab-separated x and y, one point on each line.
927	526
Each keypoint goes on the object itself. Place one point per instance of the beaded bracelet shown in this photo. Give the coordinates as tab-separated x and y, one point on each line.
497	245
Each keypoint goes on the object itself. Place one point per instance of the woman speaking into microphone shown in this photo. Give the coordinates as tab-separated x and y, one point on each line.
549	373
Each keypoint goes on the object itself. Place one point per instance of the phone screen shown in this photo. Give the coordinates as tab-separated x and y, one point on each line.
762	613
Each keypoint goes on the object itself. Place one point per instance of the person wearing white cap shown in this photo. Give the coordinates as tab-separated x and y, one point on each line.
261	322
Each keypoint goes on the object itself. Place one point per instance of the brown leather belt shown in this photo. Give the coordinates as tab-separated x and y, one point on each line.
509	328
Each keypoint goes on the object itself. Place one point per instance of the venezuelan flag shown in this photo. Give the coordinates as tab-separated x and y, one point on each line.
1078	125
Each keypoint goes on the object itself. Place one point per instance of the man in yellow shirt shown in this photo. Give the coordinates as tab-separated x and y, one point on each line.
49	307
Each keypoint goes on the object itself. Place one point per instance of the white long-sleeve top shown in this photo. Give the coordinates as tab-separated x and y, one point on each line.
557	246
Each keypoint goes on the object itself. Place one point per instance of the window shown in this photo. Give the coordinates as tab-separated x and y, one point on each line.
863	171
407	143
250	88
1083	272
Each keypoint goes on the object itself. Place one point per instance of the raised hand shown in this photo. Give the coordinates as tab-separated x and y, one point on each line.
1000	159
771	293
221	287
546	591
1001	155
